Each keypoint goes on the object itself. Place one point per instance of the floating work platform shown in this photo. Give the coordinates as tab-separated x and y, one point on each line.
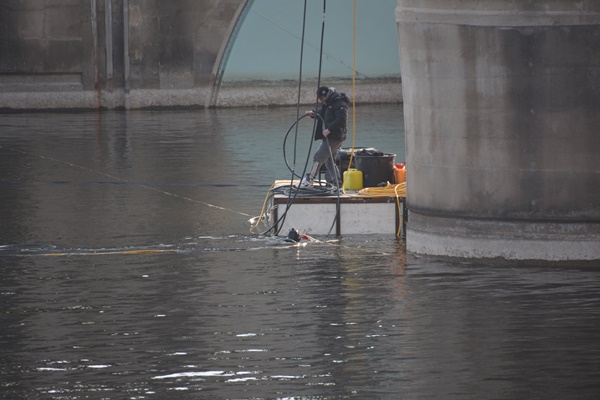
378	211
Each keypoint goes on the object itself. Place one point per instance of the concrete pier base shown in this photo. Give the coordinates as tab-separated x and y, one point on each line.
507	240
500	102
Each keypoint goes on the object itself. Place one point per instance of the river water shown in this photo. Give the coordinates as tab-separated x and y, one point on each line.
128	271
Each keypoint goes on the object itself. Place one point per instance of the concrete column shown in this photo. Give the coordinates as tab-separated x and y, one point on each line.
89	45
144	44
501	111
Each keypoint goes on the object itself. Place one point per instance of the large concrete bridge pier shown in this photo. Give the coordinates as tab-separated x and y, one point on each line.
502	127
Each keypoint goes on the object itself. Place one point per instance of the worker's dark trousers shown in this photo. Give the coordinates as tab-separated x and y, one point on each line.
324	156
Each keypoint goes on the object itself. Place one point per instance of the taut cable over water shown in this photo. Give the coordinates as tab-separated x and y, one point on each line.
126	181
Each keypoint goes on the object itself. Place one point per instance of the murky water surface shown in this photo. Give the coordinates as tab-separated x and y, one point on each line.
128	272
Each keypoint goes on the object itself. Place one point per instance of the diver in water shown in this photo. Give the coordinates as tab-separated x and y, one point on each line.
331	129
293	236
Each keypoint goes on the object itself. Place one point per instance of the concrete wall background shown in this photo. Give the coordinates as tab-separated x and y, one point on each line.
41	48
41	39
111	53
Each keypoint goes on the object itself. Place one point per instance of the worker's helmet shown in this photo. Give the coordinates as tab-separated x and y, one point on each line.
322	91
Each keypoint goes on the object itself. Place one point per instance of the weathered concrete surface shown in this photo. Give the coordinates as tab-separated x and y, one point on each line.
253	94
135	54
113	53
501	102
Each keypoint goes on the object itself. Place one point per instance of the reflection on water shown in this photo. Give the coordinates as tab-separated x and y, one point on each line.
128	272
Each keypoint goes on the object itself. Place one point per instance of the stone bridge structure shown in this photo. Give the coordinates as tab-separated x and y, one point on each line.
114	53
106	54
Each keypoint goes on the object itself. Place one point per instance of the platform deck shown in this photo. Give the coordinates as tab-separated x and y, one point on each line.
349	214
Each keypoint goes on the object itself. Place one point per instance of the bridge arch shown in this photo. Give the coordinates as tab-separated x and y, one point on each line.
225	50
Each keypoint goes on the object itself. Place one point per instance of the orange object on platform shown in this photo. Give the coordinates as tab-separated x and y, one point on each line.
399	174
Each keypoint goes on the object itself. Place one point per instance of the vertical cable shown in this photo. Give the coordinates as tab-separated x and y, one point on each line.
353	93
281	220
321	49
299	88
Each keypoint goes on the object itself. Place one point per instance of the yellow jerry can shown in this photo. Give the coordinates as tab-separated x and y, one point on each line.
353	179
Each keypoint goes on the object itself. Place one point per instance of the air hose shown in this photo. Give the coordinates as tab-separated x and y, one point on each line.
292	194
290	190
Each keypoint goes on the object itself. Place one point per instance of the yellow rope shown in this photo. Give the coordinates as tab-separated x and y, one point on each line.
398	190
353	99
124	180
257	220
391	190
114	252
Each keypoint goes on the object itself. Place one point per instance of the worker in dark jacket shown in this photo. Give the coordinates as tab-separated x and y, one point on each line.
331	129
